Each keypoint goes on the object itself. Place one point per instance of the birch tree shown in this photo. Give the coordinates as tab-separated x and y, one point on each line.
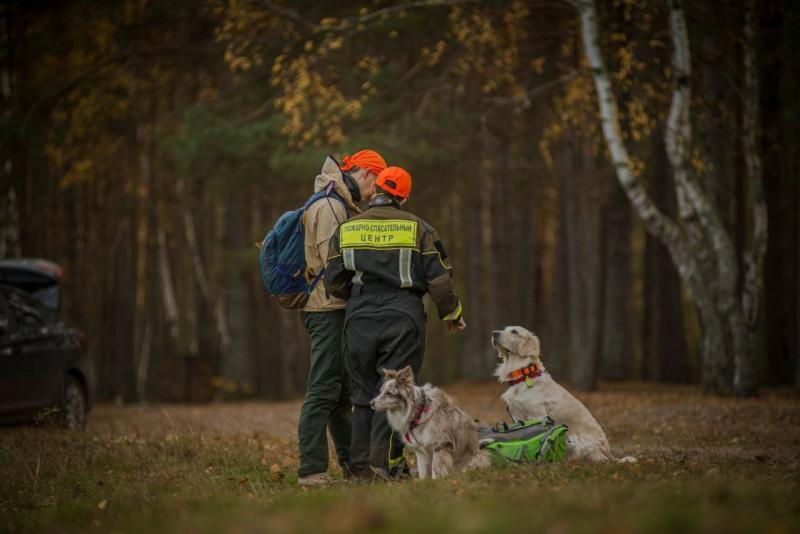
698	242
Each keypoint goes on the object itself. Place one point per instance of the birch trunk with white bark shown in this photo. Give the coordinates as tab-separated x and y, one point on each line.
699	244
167	287
142	335
710	243
211	298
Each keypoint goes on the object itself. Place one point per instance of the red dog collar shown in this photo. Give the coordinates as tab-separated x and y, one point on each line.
526	374
423	409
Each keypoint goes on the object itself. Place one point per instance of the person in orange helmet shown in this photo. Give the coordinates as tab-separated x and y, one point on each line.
326	405
382	262
360	171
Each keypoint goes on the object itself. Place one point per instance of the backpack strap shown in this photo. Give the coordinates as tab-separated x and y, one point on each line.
326	193
315	281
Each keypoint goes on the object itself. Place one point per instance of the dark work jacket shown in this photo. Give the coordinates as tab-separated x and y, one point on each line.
392	248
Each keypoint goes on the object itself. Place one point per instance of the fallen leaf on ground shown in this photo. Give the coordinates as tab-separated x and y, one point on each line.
276	472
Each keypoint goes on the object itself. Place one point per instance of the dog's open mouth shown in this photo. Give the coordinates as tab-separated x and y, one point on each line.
502	352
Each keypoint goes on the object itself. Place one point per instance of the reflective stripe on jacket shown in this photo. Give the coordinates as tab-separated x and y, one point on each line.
388	246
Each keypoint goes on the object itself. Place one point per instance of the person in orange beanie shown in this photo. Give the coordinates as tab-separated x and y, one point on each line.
382	262
326	405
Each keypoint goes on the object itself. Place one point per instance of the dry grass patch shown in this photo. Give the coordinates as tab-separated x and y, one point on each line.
706	464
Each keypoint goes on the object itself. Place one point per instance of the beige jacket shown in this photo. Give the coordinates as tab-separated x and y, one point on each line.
321	220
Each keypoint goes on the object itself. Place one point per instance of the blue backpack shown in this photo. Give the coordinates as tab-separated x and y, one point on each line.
282	260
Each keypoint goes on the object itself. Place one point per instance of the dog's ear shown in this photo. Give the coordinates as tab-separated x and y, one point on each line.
406	374
388	373
531	346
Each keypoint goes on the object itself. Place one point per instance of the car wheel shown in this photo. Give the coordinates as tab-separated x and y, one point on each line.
73	408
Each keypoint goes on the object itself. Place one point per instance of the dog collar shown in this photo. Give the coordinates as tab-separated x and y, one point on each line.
423	409
526	374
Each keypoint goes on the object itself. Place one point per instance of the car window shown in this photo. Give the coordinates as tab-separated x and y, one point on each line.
29	316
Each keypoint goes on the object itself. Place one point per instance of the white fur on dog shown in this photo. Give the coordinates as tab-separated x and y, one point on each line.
445	440
518	348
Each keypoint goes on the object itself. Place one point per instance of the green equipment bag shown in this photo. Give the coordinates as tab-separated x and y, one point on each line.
533	440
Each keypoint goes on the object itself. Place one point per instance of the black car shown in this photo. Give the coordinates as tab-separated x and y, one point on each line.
44	369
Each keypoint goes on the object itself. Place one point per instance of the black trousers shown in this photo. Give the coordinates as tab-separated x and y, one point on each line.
385	331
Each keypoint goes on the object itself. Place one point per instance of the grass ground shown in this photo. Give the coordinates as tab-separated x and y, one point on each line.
705	465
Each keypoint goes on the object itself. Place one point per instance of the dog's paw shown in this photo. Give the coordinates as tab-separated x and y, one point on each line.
480	461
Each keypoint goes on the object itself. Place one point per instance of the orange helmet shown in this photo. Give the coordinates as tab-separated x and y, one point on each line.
395	180
366	159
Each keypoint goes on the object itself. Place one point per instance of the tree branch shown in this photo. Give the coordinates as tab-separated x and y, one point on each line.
349	23
288	13
525	98
63	89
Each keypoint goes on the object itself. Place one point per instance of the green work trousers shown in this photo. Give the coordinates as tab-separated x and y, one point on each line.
326	405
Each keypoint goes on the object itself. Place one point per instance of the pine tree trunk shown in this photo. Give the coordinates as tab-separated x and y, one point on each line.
780	185
142	329
290	352
207	309
592	287
745	379
797	274
528	262
237	364
574	317
474	310
616	241
9	207
664	344
558	323
583	268
716	128
489	234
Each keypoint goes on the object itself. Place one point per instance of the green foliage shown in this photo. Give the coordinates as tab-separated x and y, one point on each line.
225	155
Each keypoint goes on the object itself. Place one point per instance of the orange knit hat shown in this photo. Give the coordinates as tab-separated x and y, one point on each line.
366	159
395	180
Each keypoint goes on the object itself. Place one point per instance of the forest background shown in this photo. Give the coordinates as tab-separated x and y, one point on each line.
147	145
